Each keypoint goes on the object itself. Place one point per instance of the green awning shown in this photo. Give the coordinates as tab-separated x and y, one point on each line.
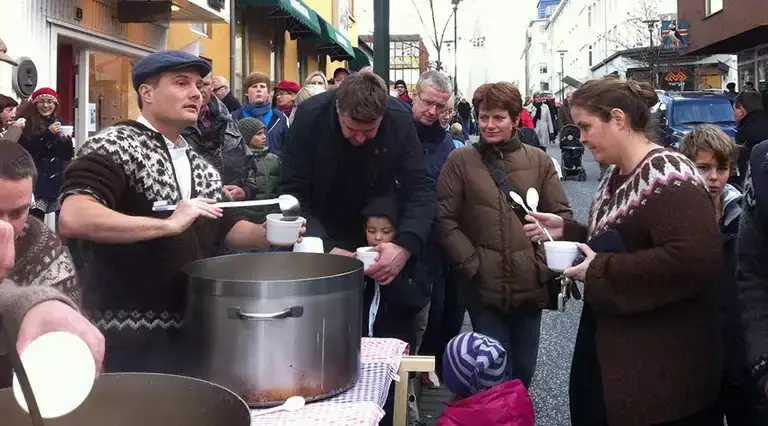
362	60
302	20
333	43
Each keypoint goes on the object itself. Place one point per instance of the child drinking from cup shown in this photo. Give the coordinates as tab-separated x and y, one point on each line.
404	298
474	370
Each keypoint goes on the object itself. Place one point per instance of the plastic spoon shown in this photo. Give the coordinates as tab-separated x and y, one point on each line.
290	405
532	198
519	200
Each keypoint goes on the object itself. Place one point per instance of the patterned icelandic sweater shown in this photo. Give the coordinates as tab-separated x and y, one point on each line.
656	331
41	260
139	288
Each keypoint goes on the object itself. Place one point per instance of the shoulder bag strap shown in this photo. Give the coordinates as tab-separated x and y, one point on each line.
500	178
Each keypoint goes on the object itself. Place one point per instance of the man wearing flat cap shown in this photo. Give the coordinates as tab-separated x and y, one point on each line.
134	289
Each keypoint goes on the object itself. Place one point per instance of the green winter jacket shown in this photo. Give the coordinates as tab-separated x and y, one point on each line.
266	167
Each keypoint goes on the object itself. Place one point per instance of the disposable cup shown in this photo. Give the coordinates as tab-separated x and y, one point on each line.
61	371
560	254
281	232
67	130
367	256
309	245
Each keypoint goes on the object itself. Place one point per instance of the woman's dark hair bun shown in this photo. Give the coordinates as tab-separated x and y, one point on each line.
645	92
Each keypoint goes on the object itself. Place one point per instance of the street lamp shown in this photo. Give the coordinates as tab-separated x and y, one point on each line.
455	46
562	74
651	28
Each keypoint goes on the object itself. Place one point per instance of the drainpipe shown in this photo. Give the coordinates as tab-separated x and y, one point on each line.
232	41
381	38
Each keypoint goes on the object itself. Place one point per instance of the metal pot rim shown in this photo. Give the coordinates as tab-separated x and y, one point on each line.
352	265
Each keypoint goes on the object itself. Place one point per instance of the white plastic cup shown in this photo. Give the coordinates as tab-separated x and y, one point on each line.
61	371
283	233
67	130
560	254
309	245
367	256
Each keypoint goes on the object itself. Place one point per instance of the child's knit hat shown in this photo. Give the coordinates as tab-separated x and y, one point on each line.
472	363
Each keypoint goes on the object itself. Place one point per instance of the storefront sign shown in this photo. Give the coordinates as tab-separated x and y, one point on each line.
676	77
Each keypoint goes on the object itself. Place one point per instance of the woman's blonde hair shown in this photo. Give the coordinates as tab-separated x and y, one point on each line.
309	78
307	92
707	137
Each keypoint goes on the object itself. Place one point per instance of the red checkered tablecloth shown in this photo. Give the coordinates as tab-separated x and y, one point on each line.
361	405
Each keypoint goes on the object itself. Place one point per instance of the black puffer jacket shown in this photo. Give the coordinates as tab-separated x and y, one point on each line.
752	130
752	268
223	147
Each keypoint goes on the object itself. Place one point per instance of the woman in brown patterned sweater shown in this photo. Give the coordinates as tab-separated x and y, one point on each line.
647	352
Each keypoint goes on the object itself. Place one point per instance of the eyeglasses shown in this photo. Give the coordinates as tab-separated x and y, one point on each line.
430	103
216	89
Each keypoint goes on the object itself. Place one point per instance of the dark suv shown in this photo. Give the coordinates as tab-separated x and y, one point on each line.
677	113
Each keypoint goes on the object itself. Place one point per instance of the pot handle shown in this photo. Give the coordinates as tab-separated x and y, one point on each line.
292	312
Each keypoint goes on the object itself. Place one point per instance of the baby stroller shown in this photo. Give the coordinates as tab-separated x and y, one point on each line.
571	151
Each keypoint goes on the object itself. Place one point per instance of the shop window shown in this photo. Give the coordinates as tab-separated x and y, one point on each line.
746	74
714	6
111	97
200	28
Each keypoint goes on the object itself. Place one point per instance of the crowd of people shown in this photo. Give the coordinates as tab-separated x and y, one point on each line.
674	329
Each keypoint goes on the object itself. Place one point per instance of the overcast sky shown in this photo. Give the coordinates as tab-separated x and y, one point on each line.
503	24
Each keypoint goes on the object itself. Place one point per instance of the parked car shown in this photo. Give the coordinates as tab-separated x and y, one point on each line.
677	113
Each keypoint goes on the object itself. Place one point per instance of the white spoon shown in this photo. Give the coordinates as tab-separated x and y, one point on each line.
290	405
532	198
519	200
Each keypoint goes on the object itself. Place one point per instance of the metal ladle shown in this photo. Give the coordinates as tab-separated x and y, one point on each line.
289	206
21	375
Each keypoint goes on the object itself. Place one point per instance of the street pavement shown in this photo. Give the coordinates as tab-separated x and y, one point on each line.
549	388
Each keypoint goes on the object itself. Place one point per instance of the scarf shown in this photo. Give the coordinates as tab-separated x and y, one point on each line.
510	145
286	109
256	111
537	115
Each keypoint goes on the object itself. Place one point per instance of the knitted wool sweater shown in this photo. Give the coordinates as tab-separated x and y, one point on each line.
657	340
131	290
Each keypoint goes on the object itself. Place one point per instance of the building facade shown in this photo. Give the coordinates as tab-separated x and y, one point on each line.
408	57
85	49
738	27
593	38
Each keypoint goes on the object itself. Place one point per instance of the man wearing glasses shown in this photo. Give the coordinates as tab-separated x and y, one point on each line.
222	91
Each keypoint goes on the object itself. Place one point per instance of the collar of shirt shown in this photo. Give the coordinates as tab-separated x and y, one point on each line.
181	143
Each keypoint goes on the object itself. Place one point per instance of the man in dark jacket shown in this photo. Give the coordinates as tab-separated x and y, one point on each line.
216	138
465	112
347	146
220	89
433	97
752	268
753	126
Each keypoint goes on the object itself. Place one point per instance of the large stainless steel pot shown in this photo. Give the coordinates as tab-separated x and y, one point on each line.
272	325
143	399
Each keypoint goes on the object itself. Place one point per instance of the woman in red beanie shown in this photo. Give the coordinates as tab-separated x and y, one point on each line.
50	144
285	94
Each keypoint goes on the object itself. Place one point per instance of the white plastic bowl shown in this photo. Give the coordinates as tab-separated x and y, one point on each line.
282	233
560	254
309	245
61	371
367	256
67	130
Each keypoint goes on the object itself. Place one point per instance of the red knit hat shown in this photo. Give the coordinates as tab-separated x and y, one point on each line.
45	93
290	86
